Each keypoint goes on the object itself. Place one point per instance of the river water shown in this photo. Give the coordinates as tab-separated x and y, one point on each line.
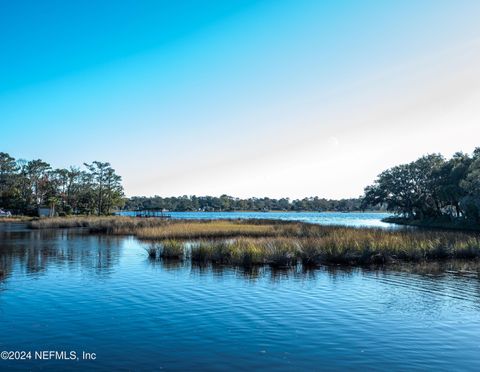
353	219
65	290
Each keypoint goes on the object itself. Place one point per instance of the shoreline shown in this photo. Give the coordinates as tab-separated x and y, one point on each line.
432	224
17	219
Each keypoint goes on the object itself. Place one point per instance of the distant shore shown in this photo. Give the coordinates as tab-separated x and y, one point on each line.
20	218
265	211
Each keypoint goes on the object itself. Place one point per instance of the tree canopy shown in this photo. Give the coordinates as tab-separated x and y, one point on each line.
229	203
26	186
431	187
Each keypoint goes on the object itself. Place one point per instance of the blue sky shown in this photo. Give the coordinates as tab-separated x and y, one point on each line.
249	98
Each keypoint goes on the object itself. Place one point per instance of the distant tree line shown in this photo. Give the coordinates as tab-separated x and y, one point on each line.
431	188
229	203
26	186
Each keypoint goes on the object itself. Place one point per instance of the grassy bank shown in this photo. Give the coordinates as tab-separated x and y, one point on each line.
109	224
280	243
157	228
16	219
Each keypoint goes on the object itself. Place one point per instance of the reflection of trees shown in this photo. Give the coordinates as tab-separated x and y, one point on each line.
36	251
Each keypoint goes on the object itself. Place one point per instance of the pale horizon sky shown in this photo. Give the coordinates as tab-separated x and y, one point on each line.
245	98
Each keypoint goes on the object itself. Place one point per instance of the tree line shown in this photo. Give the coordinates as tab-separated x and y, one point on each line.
229	203
26	186
431	188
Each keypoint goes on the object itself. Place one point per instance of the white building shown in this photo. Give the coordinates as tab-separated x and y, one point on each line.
5	213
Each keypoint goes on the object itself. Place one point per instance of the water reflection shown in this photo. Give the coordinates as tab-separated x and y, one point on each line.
33	252
441	269
168	263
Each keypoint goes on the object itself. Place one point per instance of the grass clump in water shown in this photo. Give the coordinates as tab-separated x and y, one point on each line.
240	252
152	251
282	252
173	249
247	252
168	249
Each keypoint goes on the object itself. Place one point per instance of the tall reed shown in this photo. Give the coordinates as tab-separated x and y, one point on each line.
169	249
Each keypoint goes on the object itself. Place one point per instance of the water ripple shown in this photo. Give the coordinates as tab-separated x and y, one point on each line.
71	291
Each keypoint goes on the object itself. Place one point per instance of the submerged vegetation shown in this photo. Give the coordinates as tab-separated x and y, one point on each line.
280	243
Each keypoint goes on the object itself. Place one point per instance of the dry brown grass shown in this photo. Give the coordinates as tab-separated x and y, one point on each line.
210	229
107	224
16	219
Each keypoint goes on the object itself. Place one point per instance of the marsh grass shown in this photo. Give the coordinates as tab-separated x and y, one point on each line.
341	247
16	219
108	224
209	229
172	249
153	251
241	252
280	243
364	246
167	249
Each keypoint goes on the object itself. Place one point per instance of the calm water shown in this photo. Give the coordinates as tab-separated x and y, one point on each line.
63	290
356	219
